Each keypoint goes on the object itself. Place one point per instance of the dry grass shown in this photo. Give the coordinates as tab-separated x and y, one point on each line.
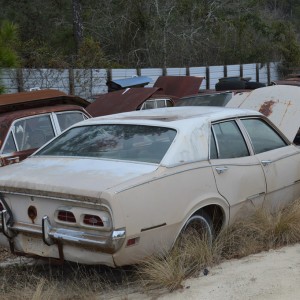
169	269
260	231
65	282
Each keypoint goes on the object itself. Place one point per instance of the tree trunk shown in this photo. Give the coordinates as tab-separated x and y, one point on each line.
77	24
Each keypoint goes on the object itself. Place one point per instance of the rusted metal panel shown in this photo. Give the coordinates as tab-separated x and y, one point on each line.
280	103
178	86
168	87
120	101
23	100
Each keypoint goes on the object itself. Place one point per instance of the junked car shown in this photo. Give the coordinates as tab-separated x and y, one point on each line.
113	190
128	95
30	119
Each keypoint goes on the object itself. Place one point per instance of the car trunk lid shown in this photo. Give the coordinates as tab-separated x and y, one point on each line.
78	178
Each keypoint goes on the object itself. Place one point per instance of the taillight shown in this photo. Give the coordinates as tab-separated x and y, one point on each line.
92	220
66	216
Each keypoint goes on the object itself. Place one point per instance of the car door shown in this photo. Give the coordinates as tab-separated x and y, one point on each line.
239	175
280	161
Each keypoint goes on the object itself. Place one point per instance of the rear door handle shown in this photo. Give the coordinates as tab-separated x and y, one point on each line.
221	170
266	162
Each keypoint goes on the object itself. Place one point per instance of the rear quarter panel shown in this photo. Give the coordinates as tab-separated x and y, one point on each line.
157	209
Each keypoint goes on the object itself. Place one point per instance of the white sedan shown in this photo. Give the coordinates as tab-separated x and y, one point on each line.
116	189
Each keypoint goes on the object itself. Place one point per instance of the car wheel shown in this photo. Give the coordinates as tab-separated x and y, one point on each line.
201	225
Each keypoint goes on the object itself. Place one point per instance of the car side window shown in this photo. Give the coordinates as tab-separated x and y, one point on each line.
31	133
230	141
149	104
10	145
263	136
67	119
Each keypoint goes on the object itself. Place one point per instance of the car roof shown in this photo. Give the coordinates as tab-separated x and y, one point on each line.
174	115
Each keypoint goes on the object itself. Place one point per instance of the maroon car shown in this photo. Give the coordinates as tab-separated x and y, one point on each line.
30	119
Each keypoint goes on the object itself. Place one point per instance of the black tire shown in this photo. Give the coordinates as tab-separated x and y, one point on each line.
200	224
227	85
252	85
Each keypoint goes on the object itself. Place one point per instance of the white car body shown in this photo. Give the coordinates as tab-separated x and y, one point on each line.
144	205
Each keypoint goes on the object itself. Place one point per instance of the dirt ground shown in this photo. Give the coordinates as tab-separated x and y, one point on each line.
264	276
5	254
269	275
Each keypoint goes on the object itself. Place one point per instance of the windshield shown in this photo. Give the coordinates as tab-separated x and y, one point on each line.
122	142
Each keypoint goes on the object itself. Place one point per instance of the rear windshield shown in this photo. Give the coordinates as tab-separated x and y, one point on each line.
121	142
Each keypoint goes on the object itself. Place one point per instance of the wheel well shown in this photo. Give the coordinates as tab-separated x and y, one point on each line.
216	214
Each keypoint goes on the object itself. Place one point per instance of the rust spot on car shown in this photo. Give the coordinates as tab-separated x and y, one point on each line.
266	108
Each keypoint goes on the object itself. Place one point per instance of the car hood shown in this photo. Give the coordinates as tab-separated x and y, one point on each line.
80	178
280	103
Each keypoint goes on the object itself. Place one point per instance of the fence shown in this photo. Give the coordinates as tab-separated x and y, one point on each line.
89	82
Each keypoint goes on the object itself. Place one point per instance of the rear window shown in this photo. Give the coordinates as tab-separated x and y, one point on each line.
121	142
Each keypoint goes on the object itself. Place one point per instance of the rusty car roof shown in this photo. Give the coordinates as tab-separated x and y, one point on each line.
40	98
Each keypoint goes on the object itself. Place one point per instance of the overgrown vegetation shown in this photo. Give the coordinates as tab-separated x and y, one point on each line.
8	46
154	33
261	231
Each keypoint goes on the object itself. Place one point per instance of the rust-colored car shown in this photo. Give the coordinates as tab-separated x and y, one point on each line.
30	119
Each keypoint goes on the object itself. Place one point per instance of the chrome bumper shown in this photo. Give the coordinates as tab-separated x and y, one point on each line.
52	235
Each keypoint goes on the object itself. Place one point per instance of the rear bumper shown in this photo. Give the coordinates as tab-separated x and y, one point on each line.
58	238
